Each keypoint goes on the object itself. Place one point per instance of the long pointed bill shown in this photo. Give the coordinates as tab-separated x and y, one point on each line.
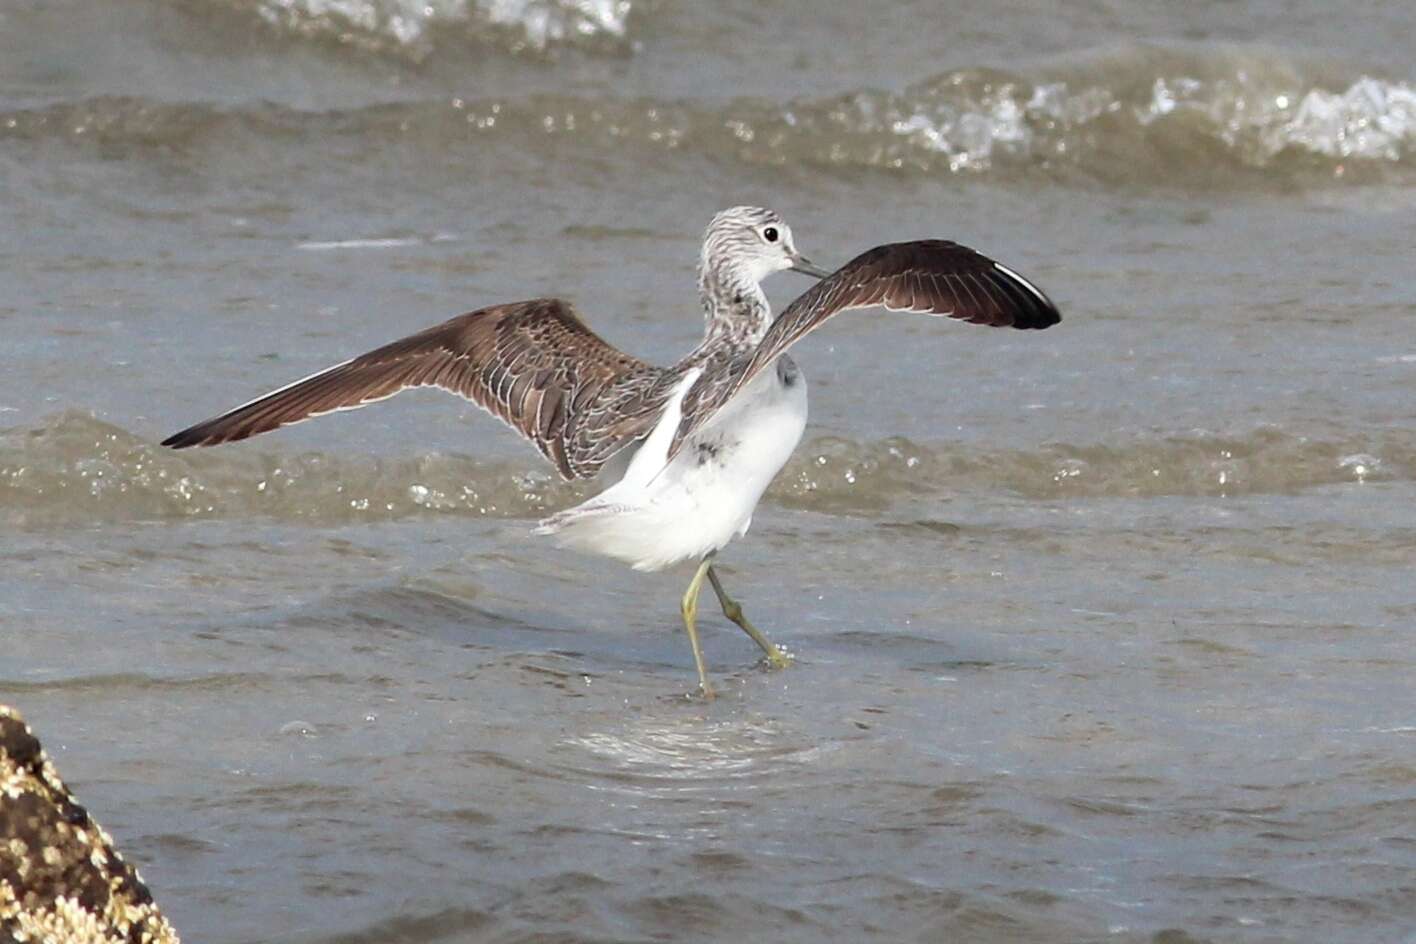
806	267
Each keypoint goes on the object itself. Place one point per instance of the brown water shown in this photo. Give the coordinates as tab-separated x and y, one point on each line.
1103	634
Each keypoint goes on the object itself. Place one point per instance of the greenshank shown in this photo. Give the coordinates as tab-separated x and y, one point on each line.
685	451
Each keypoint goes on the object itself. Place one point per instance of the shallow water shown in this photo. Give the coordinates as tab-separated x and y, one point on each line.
1102	633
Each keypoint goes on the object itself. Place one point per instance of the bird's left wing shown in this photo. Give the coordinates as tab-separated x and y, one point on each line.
930	276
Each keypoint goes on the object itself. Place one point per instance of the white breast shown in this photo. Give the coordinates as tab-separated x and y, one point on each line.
706	495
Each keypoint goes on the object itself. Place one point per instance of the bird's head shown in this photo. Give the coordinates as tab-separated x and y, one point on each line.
754	242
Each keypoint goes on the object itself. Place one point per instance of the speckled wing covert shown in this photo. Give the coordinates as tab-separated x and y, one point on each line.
534	365
929	276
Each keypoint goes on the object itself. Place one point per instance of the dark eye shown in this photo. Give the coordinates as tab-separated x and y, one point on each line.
770	234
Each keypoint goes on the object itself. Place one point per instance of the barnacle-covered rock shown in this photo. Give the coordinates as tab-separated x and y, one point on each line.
61	880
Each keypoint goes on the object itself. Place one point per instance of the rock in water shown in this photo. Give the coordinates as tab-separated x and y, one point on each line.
61	880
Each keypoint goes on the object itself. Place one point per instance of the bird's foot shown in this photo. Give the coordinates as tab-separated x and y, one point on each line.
704	692
777	658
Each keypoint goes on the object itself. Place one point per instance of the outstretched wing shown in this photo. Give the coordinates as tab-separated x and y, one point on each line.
533	364
930	276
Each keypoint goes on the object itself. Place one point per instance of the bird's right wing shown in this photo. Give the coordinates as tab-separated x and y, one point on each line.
533	364
928	276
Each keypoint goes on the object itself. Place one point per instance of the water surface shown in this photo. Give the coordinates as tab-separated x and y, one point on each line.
1102	633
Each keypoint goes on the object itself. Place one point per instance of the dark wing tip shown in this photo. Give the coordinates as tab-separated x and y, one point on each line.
1031	308
181	440
191	436
213	432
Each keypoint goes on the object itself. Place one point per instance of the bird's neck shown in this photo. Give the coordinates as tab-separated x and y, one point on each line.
735	309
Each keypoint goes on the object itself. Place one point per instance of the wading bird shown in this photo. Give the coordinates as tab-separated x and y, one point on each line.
689	449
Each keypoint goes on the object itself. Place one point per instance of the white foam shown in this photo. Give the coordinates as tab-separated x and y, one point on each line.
408	23
327	245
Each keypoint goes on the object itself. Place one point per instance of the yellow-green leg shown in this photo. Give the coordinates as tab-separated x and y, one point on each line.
690	622
777	657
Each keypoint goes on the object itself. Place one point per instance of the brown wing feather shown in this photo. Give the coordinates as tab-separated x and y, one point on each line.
534	365
930	276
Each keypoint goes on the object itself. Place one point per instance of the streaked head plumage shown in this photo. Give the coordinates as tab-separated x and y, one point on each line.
755	240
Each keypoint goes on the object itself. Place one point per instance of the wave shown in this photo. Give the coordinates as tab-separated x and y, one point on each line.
77	470
844	476
1202	118
1144	115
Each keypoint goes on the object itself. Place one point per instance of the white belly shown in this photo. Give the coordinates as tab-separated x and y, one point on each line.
706	495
